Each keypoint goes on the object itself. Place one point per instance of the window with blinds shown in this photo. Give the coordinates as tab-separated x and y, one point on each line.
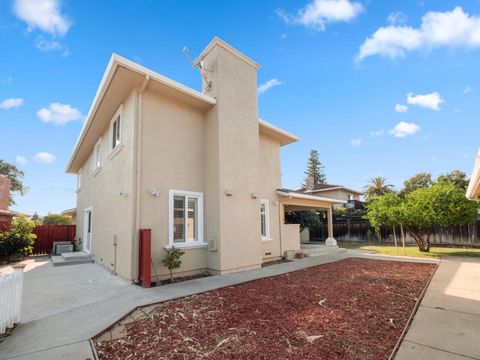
185	217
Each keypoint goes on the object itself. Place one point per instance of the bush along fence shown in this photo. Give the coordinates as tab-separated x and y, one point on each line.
360	230
11	288
47	234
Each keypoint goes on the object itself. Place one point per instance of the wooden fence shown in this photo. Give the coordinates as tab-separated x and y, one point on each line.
360	230
47	234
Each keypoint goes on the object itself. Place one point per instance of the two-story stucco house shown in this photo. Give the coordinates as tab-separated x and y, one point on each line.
339	192
200	169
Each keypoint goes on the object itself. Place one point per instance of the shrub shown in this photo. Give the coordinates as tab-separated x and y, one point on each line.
173	260
18	240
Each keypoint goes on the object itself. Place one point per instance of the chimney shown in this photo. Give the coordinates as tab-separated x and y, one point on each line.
309	184
5	186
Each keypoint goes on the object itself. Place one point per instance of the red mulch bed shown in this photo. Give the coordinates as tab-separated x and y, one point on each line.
350	309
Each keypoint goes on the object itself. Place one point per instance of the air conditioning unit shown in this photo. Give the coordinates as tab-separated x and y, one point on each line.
212	243
56	243
64	249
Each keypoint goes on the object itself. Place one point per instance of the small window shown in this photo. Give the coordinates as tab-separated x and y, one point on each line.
97	155
186	218
79	179
264	219
350	197
116	131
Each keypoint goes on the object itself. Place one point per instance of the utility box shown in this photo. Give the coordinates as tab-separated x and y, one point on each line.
57	243
64	248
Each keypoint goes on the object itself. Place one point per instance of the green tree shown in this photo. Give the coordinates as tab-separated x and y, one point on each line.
418	181
384	210
18	240
315	173
456	177
56	219
173	260
307	219
16	178
441	204
377	186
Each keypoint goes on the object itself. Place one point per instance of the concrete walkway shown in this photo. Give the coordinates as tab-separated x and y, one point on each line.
76	302
447	323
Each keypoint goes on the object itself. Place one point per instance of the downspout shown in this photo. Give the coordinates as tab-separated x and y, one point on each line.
138	174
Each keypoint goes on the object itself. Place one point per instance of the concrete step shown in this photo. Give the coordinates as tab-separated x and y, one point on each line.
319	250
73	258
78	255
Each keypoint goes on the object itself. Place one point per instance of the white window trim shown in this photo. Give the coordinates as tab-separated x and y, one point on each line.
119	112
193	244
267	220
97	164
79	180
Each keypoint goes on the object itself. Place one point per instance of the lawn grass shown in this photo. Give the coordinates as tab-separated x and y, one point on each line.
435	252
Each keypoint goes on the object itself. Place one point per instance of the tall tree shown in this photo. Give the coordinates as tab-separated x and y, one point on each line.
456	177
315	173
377	186
56	219
16	178
418	181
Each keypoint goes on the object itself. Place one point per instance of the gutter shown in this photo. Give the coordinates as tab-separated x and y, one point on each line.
291	195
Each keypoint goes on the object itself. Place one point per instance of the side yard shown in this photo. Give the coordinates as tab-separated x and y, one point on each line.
350	309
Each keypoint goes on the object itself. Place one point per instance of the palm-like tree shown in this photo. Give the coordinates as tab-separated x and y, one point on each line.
377	186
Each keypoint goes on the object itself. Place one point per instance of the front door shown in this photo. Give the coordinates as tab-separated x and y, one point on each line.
87	237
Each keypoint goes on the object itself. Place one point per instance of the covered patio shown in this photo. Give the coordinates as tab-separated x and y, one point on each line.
290	200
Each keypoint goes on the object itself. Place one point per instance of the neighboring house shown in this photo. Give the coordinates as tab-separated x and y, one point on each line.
5	214
199	169
473	189
72	213
339	192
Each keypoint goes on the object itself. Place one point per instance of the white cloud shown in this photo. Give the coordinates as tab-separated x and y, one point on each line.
7	80
42	14
59	114
451	28
429	101
268	85
357	142
317	13
377	133
403	129
45	45
468	90
44	157
21	160
11	103
401	108
397	18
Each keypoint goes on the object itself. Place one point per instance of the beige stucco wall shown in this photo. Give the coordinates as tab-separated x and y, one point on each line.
112	212
172	148
268	181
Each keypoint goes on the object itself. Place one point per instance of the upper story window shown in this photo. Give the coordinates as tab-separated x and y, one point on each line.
116	129
350	197
186	218
97	155
79	179
264	219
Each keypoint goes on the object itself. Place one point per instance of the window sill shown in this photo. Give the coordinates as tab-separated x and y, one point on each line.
115	151
96	171
197	245
267	239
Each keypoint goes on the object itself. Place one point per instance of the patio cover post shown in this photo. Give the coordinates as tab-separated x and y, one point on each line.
330	240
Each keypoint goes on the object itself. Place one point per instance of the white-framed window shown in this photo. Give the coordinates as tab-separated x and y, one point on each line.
350	197
264	219
116	129
97	155
185	218
79	179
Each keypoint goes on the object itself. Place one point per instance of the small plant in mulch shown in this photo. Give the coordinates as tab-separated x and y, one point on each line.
173	260
300	255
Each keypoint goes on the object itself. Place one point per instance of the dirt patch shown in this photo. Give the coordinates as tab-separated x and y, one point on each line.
350	309
183	278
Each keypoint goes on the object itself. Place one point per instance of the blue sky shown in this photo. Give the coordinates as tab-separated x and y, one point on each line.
332	87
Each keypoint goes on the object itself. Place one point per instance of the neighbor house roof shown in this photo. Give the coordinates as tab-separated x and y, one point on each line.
120	77
329	187
474	185
296	194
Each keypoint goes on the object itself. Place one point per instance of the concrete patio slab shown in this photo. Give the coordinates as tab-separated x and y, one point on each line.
413	351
